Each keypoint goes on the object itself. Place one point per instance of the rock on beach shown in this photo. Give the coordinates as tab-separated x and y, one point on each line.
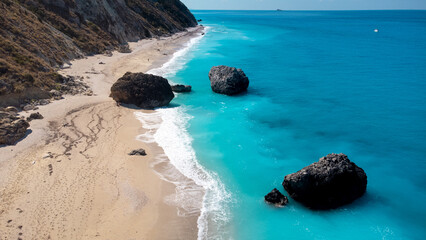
12	127
146	91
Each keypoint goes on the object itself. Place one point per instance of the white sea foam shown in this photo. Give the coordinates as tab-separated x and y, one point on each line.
168	127
178	61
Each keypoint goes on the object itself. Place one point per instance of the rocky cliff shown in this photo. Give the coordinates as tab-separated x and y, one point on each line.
37	36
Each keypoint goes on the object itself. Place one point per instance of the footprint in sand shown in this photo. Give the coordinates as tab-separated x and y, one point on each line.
50	169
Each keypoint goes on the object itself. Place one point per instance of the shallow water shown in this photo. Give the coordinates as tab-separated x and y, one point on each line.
320	82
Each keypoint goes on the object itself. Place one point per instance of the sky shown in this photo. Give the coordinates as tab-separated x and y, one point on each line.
304	4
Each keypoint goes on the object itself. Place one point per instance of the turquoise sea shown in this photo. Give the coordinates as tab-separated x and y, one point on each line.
320	82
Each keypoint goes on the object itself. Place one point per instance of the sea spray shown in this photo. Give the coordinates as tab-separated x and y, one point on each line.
168	127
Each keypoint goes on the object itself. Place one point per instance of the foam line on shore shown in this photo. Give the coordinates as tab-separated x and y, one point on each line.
208	195
176	63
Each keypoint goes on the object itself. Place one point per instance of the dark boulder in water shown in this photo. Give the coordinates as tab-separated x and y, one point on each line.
276	197
228	80
179	88
144	90
331	182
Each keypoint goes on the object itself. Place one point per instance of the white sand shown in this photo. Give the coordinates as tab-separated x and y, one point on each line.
89	187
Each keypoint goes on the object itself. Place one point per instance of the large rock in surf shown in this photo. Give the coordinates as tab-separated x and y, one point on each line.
228	80
12	128
144	90
331	182
276	197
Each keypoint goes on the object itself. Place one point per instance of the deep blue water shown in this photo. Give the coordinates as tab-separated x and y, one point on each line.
320	82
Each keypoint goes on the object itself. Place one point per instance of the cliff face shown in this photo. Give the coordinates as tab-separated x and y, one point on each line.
38	35
124	20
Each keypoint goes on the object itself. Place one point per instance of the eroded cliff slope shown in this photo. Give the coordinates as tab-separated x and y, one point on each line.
36	36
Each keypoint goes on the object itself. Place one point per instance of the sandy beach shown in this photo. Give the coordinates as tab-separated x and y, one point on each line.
72	177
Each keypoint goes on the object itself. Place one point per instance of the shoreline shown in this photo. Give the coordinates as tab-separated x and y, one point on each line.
88	186
199	191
